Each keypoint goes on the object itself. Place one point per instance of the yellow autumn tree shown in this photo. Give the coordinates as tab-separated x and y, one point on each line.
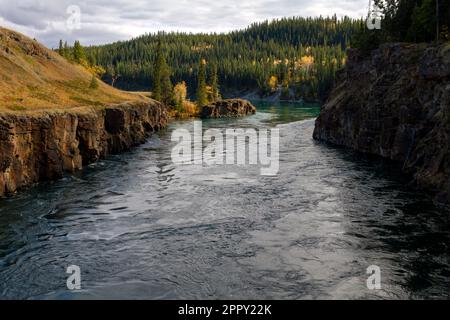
306	62
96	70
273	83
180	94
182	104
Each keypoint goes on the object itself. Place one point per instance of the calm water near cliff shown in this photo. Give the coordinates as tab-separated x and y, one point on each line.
142	228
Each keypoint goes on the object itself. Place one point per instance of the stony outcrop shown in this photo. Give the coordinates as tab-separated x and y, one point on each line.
396	103
43	146
228	109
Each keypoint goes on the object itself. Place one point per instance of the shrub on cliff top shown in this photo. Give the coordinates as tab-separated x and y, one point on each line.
94	83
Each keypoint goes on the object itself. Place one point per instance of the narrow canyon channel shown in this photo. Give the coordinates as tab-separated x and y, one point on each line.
141	227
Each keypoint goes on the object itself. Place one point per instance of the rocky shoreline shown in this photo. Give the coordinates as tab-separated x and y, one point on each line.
44	145
229	108
396	103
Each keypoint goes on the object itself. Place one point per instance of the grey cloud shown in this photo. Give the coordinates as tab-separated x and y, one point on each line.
105	21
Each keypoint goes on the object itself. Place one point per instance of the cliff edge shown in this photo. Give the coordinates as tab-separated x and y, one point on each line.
396	103
43	146
52	121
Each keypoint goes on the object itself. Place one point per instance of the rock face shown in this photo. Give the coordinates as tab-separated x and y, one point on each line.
396	104
228	109
44	145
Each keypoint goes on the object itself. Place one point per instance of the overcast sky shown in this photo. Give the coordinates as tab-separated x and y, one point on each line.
105	21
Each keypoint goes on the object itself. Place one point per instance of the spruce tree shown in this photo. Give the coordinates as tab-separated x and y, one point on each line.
78	52
94	83
166	86
157	73
162	84
248	58
202	96
66	52
214	83
61	48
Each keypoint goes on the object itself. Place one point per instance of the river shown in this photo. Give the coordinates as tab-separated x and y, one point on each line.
141	227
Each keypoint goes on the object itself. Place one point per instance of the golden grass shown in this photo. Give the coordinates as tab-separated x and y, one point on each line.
34	78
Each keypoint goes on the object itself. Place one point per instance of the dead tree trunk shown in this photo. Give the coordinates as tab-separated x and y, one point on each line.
114	79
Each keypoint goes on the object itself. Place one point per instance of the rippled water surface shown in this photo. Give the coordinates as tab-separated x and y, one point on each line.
141	227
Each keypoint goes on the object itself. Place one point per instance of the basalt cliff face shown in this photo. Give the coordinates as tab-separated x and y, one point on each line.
44	145
396	103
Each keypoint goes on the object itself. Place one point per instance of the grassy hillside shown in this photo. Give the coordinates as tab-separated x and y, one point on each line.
32	77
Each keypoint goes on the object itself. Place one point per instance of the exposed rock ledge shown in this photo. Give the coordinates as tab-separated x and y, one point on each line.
396	103
228	109
42	146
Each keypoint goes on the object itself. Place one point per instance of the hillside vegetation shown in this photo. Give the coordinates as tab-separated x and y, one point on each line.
297	57
33	77
412	21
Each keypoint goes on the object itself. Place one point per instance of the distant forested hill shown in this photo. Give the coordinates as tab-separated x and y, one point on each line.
295	57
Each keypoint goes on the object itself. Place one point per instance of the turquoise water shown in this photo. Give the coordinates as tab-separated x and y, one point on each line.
285	112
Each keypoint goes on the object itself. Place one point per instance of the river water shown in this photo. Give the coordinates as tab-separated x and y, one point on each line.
141	227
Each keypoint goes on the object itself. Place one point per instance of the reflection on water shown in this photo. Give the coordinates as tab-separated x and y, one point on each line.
286	112
141	227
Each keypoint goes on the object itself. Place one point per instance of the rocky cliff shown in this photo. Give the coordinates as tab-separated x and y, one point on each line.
227	109
43	145
396	103
53	121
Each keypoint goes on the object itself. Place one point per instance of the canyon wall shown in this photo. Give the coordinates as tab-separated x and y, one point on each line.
44	145
395	102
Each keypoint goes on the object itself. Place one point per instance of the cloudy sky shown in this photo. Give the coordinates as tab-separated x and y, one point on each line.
105	21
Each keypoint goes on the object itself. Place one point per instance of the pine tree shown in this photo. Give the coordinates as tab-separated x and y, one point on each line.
214	83
202	95
157	73
78	52
413	20
248	58
61	48
166	85
162	84
66	52
423	22
94	83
